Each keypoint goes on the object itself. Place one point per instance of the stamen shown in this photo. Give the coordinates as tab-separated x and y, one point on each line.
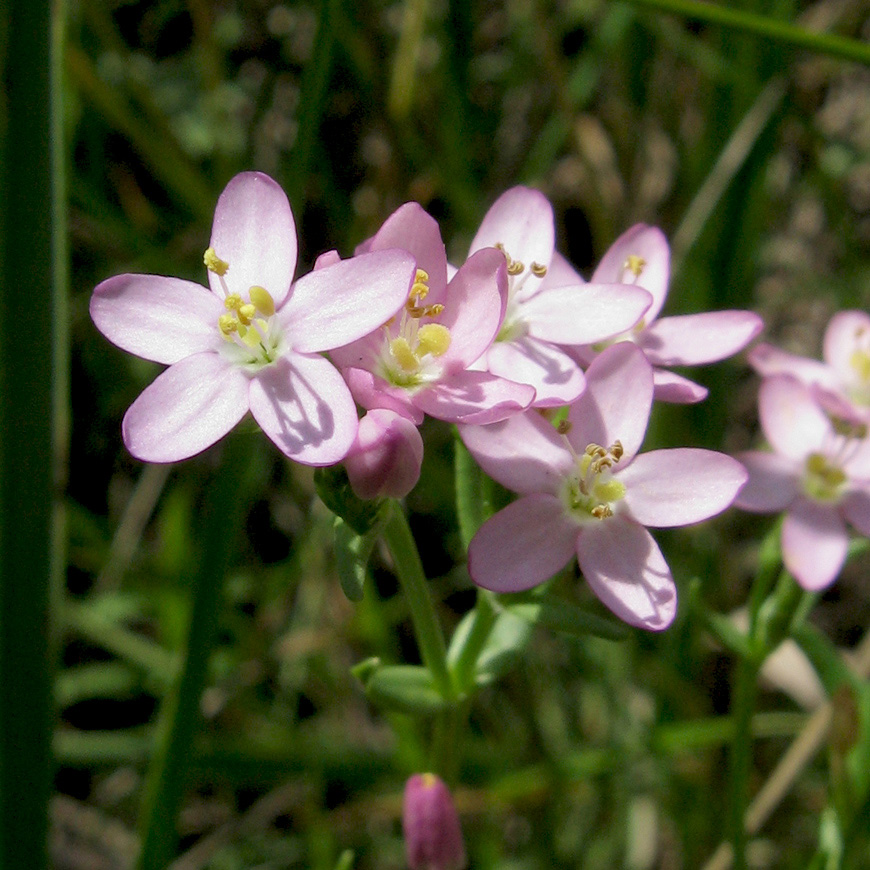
538	270
433	338
635	264
214	263
233	302
262	298
515	267
228	324
403	355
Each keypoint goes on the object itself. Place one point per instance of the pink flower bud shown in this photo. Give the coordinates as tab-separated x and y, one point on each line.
386	456
433	838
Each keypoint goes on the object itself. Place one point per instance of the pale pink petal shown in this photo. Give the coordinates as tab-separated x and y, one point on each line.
856	460
474	307
189	407
523	453
847	332
674	388
648	243
304	406
616	403
561	273
412	229
695	339
680	486
793	423
255	233
626	570
371	391
768	360
774	482
521	221
522	545
583	313
345	301
856	509
814	543
161	319
474	397
557	379
327	258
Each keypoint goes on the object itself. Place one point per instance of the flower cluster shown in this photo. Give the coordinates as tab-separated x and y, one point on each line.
497	345
815	417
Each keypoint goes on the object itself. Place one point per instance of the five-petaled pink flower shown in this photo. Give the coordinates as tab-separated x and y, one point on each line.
254	340
420	361
585	491
549	306
819	474
641	257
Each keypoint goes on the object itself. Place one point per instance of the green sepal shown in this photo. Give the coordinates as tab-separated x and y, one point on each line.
335	492
563	617
352	554
363	670
405	689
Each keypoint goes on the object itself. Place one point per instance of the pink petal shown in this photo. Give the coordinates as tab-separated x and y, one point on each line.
648	243
523	453
561	273
475	304
189	407
304	406
774	482
521	220
584	313
255	233
522	545
345	301
847	332
680	486
695	339
616	403
768	360
626	570
370	391
474	397
674	388
814	543
792	422
161	319
411	229
856	509
557	379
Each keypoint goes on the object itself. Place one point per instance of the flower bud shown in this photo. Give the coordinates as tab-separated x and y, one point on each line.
385	459
433	838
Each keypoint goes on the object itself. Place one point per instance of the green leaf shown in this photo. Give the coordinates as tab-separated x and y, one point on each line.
335	492
566	618
352	554
405	689
504	647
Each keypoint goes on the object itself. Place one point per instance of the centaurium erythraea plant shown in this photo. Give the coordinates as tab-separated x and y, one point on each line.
586	492
640	257
254	340
430	824
818	473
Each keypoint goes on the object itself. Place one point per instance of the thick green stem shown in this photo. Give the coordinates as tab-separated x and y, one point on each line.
409	570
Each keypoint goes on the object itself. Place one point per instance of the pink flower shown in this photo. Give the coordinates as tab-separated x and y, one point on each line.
587	492
842	381
549	305
641	257
419	362
251	342
433	837
819	473
386	456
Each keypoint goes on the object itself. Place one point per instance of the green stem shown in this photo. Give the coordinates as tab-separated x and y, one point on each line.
407	54
761	25
409	570
464	665
179	715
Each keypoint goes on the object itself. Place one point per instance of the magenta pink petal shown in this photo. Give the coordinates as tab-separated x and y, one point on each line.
304	406
651	246
616	403
847	331
856	509
793	423
255	233
557	379
695	339
370	391
814	543
189	407
680	486
674	388
583	313
474	307
768	360
474	397
523	453
161	319
522	545
774	482
626	570
343	302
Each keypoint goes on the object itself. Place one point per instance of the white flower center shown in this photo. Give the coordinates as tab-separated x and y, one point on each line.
591	491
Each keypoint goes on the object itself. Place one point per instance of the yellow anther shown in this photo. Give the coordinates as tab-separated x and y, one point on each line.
860	362
403	355
433	338
601	511
848	428
515	267
233	302
262	298
616	451
594	450
228	324
433	310
538	270
421	276
214	263
564	427
419	291
635	264
247	312
610	490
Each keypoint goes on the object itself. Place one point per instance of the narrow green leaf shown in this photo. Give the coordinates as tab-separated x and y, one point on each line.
352	554
405	689
566	618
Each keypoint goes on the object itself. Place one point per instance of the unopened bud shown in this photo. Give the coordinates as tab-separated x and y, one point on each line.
433	837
